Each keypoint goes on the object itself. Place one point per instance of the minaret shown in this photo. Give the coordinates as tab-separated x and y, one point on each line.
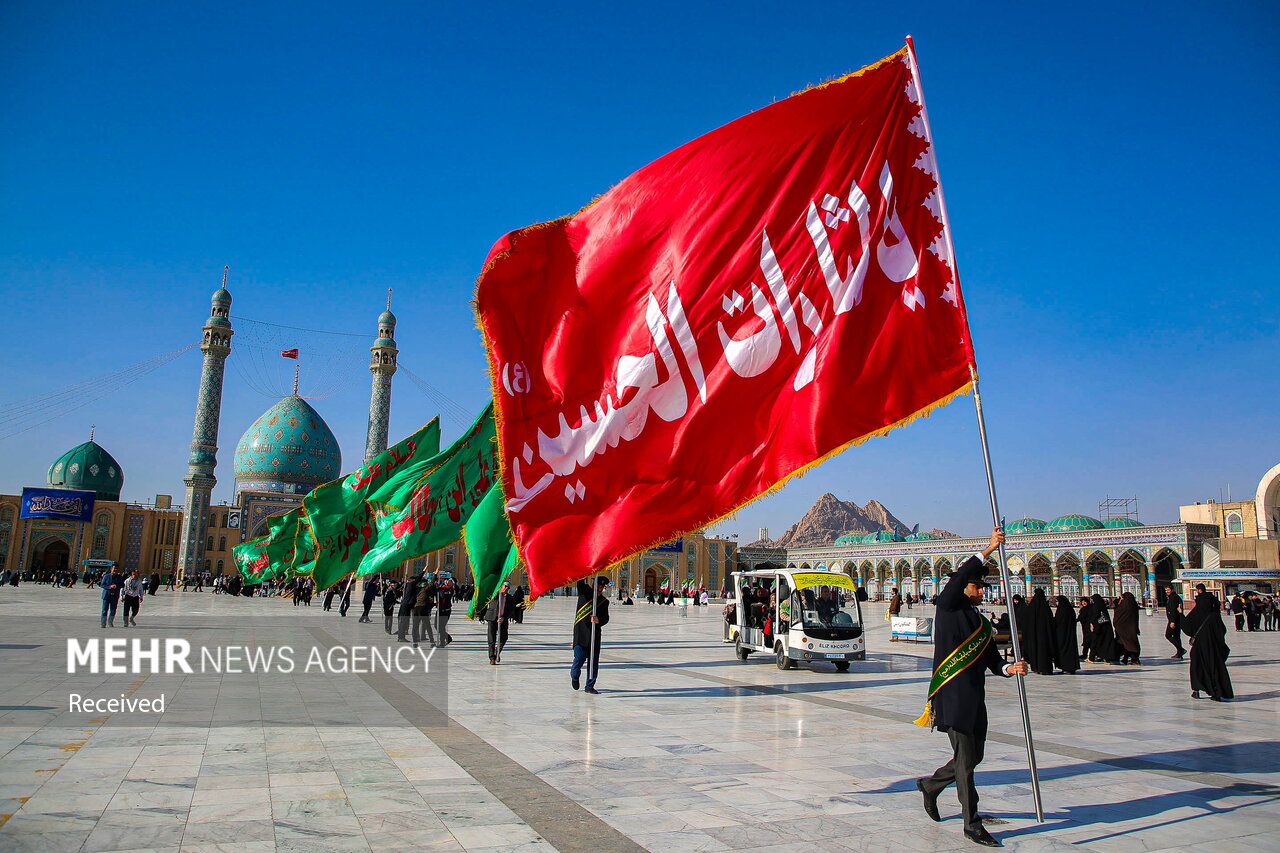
216	346
382	364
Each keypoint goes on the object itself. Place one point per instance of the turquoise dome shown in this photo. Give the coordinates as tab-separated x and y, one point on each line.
89	468
386	318
1115	523
883	536
921	536
1072	522
850	539
1025	525
289	449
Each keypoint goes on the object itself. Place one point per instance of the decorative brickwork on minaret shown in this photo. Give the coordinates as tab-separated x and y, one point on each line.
382	364
200	480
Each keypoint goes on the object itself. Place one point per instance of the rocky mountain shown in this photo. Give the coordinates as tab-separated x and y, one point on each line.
831	517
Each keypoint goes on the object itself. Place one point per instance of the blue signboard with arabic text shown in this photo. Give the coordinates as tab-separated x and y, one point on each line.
65	504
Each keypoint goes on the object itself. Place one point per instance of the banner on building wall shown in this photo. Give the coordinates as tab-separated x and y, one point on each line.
65	504
675	546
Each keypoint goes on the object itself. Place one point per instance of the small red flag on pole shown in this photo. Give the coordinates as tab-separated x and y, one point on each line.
289	353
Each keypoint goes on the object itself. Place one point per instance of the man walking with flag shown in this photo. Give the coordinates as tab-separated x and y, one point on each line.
498	614
957	704
592	615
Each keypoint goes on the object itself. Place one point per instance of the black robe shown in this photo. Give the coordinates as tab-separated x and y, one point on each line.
1037	634
1102	641
961	703
1085	618
1126	625
1066	652
582	627
1209	649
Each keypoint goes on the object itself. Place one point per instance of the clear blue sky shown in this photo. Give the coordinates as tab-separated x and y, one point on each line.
1109	169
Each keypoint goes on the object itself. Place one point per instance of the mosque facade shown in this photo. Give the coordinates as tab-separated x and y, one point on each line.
1225	546
281	457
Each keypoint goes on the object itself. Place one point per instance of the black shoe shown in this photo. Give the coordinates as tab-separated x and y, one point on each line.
930	803
593	691
981	836
573	682
1179	656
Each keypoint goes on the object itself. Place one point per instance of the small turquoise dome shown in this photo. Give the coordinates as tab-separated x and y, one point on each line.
1073	522
1025	525
921	536
89	468
222	295
289	449
883	536
386	318
849	539
1115	523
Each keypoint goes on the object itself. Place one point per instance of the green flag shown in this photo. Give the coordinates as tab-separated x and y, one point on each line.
419	510
490	548
386	478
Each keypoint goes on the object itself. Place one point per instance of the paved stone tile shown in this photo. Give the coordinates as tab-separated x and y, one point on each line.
685	749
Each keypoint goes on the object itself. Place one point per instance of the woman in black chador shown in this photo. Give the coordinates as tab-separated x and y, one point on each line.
1102	641
1037	634
1209	649
1066	652
1085	618
1126	626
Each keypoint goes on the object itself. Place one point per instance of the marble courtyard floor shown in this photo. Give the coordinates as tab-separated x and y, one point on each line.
686	748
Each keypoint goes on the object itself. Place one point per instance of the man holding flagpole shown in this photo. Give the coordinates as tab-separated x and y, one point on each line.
591	616
962	651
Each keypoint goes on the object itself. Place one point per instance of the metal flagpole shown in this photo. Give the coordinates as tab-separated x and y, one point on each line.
986	457
591	649
1008	597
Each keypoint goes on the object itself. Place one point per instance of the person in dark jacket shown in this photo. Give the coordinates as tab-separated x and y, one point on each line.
423	603
390	595
588	626
1173	613
371	590
498	614
963	652
408	599
111	584
1209	649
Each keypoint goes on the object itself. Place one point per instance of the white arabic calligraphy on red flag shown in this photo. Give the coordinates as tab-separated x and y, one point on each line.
731	314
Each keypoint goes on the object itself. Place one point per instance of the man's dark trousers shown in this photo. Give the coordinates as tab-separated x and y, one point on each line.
497	637
967	751
422	625
109	604
1173	633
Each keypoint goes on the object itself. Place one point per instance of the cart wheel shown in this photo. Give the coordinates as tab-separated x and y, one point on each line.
784	662
739	650
842	666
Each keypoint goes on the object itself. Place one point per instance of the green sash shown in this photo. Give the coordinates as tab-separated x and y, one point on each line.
964	656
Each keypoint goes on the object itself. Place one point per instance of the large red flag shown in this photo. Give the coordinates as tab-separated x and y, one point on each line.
726	317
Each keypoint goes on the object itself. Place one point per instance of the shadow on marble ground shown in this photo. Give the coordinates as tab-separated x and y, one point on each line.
1251	757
